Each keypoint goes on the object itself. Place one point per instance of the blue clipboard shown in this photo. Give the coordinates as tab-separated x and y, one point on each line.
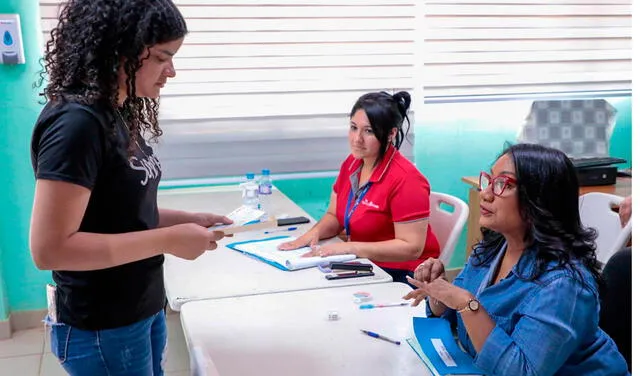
270	262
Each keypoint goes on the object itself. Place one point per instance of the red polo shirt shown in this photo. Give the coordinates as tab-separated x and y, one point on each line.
398	193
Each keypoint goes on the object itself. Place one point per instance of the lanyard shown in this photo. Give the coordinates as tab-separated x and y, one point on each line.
348	213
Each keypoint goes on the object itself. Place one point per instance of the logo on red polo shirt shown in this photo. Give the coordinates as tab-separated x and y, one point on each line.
370	204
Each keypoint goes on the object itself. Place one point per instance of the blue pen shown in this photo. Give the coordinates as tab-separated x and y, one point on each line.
369	306
376	335
282	230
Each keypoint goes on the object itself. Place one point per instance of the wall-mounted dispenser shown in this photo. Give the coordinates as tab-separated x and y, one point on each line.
11	50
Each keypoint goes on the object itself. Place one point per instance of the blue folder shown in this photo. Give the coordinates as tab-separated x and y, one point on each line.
435	342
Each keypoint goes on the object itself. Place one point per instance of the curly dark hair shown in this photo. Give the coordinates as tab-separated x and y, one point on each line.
93	39
385	112
548	197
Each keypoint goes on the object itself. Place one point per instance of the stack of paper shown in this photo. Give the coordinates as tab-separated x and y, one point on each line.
436	347
267	250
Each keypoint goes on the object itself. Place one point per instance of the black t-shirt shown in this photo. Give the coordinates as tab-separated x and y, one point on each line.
77	144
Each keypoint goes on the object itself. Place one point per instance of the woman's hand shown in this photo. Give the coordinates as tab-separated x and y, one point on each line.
310	238
441	291
419	294
331	250
625	211
209	219
189	240
429	270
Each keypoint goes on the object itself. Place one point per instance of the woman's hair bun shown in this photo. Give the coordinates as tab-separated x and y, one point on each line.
403	99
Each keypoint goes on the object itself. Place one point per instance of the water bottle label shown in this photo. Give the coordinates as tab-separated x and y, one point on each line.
265	189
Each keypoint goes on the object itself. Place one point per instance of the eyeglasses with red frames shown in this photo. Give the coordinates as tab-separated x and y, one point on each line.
498	184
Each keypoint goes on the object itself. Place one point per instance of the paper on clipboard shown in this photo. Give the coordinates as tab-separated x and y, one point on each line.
267	250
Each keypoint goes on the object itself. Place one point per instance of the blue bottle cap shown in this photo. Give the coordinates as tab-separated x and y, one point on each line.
266	171
250	175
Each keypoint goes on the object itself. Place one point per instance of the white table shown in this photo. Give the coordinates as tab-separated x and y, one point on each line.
289	334
226	273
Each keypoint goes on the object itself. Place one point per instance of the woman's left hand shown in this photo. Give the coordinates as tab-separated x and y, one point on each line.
209	219
331	250
442	291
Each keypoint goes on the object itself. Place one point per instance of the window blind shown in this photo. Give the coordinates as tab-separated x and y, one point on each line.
494	47
269	84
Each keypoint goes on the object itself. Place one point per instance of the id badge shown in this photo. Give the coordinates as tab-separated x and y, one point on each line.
51	304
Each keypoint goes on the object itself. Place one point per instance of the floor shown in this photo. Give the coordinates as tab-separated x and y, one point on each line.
27	354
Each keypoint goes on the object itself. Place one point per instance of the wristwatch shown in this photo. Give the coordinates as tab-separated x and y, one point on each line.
472	305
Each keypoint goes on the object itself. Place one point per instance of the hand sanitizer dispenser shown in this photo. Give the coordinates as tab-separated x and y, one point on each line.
11	50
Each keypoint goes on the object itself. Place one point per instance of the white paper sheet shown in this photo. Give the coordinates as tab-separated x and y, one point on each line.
291	260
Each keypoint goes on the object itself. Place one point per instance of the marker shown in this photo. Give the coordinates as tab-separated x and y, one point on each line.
376	335
369	306
281	230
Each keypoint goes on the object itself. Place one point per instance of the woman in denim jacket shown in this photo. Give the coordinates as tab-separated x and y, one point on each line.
526	302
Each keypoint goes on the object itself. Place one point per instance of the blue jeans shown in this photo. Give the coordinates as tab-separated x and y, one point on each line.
134	350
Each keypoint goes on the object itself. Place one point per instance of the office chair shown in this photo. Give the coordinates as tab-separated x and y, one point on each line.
447	225
596	212
615	302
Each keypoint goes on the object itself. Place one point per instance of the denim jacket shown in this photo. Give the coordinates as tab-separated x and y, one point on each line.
548	326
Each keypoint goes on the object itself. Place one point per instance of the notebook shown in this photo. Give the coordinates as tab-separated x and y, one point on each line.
266	250
436	347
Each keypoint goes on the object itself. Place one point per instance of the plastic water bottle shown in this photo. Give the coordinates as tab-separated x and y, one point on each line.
265	189
250	192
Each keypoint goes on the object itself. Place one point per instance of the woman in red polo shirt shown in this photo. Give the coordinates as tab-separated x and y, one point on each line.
379	199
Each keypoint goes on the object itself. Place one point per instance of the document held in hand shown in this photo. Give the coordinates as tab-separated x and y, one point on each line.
245	219
436	347
266	250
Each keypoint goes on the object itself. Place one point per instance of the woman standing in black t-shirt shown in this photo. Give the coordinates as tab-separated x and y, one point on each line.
95	220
